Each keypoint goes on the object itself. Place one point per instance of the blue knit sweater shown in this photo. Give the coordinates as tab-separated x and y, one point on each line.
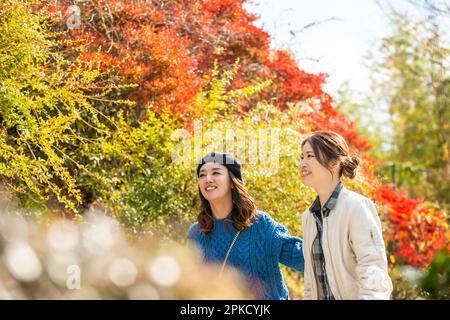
257	252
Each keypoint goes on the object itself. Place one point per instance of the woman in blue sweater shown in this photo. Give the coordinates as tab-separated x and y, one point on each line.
228	218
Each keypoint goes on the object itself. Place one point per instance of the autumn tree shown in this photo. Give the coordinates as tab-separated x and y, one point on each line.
412	78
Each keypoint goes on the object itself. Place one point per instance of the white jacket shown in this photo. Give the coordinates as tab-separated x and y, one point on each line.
355	257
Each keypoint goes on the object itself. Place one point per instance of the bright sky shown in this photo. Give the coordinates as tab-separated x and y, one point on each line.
336	46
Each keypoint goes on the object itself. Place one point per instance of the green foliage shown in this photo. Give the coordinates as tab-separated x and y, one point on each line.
52	136
39	102
412	78
403	172
148	186
434	283
436	280
404	288
412	284
368	117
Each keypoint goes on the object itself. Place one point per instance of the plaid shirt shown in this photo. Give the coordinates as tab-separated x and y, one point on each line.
317	250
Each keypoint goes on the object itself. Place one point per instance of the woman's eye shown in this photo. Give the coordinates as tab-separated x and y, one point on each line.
216	173
201	175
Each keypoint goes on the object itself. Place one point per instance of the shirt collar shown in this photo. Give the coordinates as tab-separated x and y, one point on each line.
330	204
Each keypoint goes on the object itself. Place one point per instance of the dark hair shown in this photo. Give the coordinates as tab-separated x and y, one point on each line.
242	215
328	147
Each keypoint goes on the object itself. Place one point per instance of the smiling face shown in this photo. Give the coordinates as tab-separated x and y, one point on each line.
214	182
313	173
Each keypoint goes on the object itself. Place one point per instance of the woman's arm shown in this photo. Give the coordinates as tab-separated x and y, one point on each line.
290	250
367	242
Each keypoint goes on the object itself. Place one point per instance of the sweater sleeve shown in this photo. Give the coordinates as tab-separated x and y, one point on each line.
367	242
289	249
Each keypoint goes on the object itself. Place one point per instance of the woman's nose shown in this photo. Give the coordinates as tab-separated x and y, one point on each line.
304	165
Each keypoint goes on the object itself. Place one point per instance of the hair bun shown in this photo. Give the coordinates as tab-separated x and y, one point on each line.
356	160
349	166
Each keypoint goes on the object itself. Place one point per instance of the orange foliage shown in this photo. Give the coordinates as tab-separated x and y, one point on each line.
417	232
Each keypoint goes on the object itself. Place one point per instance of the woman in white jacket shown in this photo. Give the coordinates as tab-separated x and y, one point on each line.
343	244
